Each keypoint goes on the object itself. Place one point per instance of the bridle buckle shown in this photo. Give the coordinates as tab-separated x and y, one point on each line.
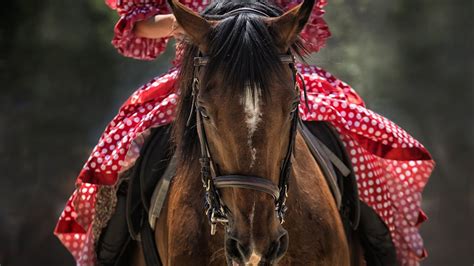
216	218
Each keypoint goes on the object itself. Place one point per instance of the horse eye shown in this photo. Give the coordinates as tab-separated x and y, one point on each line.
294	106
203	112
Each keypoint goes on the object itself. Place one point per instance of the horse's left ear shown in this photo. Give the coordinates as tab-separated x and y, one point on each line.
193	24
289	25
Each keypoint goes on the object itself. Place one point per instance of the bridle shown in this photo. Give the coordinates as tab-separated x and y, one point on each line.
215	208
212	181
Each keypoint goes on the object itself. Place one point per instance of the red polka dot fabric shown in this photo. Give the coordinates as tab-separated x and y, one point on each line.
74	229
151	105
125	40
314	34
391	167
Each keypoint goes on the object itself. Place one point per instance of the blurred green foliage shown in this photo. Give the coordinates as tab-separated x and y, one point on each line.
62	81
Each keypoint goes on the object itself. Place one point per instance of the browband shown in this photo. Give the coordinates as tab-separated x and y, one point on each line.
238	11
246	10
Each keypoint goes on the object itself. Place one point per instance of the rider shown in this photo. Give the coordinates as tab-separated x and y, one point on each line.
391	167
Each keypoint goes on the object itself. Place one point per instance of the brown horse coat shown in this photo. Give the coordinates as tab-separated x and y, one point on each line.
313	223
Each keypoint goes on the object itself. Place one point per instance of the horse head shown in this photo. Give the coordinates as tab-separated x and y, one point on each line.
245	106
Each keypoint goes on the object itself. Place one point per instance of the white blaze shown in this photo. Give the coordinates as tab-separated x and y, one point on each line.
252	215
253	116
254	259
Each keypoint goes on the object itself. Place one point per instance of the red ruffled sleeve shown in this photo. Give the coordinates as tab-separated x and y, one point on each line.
130	12
316	31
314	35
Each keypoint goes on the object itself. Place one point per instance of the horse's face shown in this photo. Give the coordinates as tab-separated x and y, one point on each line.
249	135
247	127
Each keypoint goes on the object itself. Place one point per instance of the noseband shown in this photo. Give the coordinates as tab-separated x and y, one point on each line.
216	209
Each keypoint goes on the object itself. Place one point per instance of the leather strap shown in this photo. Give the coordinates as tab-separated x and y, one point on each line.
248	182
150	251
161	191
242	10
315	147
245	10
345	171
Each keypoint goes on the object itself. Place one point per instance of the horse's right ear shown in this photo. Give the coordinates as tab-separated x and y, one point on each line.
194	25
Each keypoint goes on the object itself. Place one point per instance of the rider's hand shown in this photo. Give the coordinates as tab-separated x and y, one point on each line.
176	30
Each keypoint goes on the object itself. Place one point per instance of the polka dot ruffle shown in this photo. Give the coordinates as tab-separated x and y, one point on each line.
314	35
316	31
151	105
74	228
138	47
391	167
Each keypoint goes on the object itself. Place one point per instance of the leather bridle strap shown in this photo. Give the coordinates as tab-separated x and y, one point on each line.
238	11
248	182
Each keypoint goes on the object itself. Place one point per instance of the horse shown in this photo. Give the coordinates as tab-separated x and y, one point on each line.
238	146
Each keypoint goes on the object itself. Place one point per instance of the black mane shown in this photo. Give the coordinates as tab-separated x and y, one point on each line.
243	50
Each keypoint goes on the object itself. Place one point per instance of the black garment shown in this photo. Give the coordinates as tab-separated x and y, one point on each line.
376	239
115	238
113	246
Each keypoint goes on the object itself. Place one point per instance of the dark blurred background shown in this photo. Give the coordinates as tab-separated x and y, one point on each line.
62	81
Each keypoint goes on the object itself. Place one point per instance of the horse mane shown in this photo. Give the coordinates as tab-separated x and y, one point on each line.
243	49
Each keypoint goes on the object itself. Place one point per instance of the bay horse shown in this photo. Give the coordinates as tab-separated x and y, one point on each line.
238	147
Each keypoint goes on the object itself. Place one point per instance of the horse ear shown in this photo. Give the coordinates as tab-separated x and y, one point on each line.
194	25
289	25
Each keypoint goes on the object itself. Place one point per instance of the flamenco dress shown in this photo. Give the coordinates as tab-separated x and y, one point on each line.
391	167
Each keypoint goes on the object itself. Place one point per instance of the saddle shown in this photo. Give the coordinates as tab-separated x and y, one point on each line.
141	197
133	197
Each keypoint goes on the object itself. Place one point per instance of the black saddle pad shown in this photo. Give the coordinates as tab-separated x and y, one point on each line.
358	218
350	208
150	166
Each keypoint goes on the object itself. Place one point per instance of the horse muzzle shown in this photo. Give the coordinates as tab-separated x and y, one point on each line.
244	252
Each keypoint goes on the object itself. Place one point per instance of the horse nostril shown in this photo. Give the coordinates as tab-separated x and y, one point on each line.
282	245
236	251
244	251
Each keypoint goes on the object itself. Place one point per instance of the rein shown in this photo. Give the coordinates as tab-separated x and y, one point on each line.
215	208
